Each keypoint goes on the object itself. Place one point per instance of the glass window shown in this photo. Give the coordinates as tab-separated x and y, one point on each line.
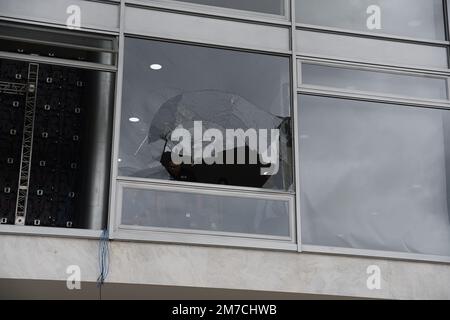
380	51
423	19
263	6
201	90
374	176
46	42
416	86
216	213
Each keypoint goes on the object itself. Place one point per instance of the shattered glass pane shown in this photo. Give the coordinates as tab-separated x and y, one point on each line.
239	100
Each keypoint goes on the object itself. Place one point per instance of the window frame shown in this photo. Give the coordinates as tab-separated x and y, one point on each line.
380	35
194	236
209	10
372	94
59	232
394	255
122	232
296	28
205	185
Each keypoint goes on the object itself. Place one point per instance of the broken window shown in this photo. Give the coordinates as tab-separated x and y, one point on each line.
231	97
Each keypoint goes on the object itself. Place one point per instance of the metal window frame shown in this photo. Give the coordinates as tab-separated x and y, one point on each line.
391	255
216	11
300	89
378	35
193	236
372	94
370	253
7	229
63	61
51	22
279	43
222	238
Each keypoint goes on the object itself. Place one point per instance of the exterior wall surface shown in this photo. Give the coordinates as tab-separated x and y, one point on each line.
47	258
164	256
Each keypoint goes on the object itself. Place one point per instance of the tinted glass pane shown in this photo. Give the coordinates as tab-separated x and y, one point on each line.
409	18
264	6
374	176
373	81
384	51
169	86
163	209
50	43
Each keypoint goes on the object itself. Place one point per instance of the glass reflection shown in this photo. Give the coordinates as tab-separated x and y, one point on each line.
418	86
263	6
423	19
374	176
222	89
190	211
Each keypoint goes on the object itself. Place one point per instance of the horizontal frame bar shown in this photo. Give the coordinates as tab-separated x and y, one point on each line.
362	34
203	240
443	73
216	11
58	61
414	257
83	29
371	98
203	186
57	44
280	53
387	70
6	229
254	39
413	68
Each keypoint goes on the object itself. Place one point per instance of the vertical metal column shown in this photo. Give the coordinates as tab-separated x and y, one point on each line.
96	153
27	144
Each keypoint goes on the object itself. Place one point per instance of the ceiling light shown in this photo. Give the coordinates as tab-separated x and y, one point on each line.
134	119
156	66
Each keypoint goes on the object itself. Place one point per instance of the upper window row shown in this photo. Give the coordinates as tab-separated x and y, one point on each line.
423	19
263	6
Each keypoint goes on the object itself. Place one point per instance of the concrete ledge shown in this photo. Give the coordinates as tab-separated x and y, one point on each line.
47	258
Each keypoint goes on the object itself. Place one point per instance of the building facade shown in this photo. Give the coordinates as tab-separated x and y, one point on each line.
343	105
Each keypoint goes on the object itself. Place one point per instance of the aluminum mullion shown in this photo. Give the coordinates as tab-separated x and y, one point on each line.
114	209
295	125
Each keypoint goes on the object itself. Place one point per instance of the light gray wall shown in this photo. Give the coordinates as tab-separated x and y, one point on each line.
25	257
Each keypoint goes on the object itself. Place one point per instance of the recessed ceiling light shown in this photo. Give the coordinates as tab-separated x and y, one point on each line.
156	66
120	160
134	119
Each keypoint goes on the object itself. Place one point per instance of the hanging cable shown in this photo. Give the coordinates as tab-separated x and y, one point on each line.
103	257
